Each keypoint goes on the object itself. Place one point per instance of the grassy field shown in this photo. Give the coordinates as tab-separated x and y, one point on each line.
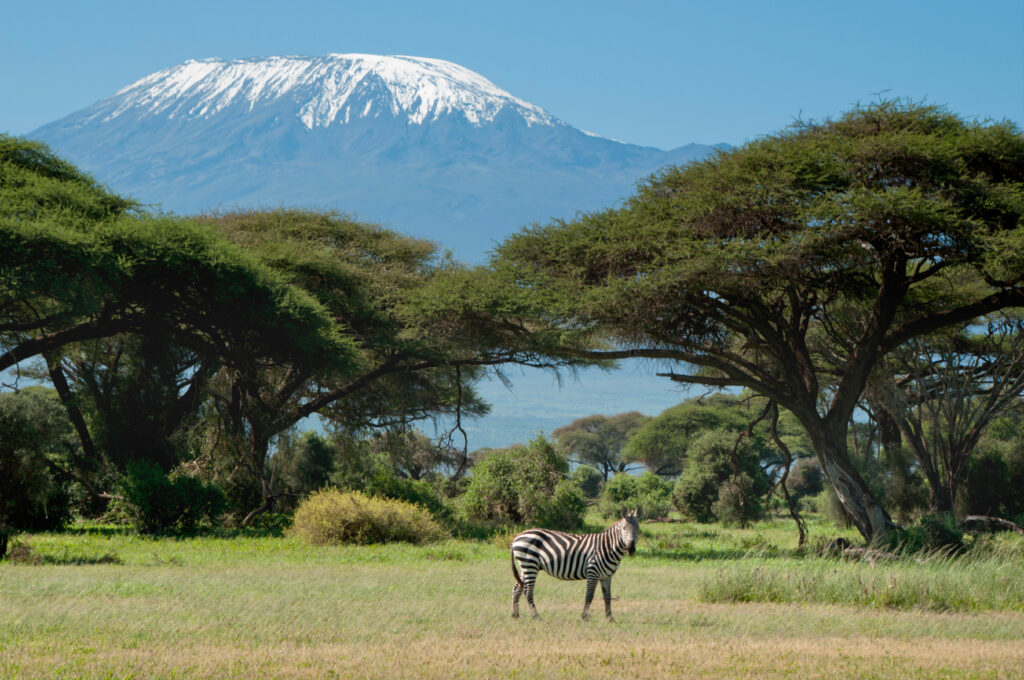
695	602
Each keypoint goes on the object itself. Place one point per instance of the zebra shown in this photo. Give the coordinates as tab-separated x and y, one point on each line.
573	557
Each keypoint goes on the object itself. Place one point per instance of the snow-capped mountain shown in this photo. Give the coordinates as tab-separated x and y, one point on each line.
424	146
323	91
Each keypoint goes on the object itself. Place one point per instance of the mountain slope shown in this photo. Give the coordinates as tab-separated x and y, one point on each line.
423	145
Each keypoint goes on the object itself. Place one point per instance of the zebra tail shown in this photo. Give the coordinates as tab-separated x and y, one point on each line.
515	572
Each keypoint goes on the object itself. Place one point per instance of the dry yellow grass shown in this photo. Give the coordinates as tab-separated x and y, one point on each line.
437	619
543	652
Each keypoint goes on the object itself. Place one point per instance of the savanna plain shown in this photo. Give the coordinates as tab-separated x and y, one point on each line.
696	601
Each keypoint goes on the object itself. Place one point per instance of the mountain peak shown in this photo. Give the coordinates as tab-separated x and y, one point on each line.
325	91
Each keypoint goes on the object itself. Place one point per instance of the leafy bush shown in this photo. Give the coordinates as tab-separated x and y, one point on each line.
565	509
301	464
330	517
717	459
34	432
936	532
523	485
740	500
649	492
707	466
590	480
387	484
828	504
806	479
156	503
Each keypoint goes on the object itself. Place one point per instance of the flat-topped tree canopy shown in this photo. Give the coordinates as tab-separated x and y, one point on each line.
78	263
791	264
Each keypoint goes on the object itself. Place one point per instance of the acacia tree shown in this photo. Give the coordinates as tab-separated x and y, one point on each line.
736	267
599	440
943	391
77	264
376	286
81	265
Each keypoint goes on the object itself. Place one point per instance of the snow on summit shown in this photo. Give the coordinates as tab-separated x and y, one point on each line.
328	90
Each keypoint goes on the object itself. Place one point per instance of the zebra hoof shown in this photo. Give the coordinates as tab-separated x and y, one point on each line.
515	615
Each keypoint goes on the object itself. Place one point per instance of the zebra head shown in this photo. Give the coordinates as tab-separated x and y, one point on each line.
629	528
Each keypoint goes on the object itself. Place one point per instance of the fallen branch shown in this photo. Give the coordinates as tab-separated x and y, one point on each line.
998	521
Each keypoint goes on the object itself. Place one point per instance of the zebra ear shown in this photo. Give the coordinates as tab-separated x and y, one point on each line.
636	513
625	513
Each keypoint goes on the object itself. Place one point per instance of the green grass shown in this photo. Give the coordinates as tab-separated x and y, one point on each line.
107	604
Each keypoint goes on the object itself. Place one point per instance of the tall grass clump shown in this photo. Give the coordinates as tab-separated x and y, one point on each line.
932	582
331	517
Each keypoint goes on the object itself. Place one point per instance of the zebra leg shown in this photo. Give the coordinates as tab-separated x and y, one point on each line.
517	591
591	586
606	589
528	583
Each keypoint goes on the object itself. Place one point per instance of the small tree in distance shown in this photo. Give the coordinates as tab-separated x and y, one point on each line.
599	440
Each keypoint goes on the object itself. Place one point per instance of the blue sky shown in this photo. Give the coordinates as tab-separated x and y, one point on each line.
656	73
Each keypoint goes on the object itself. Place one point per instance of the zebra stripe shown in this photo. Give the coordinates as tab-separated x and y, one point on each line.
572	557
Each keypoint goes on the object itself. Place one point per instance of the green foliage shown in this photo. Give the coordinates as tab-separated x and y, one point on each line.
159	504
387	484
159	275
300	465
139	395
405	366
590	480
662	442
827	503
331	517
599	440
648	492
995	476
523	485
740	499
35	184
360	465
34	436
806	479
722	479
934	532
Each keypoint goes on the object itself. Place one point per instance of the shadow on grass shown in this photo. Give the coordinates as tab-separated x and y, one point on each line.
98	530
23	554
699	554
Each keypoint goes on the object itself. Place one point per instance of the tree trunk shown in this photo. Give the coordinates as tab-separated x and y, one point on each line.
258	446
941	500
864	510
60	384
